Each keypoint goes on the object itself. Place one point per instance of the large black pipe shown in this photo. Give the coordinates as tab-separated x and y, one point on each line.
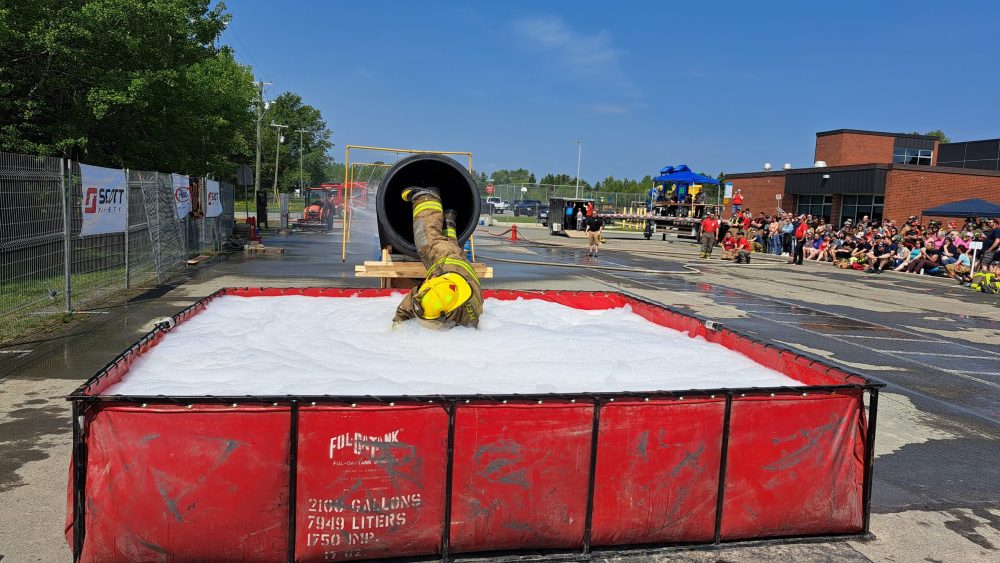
395	216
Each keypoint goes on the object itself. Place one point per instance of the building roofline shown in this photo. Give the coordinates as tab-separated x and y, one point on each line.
878	133
907	167
972	141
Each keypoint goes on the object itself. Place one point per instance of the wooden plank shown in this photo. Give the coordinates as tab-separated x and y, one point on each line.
374	269
197	259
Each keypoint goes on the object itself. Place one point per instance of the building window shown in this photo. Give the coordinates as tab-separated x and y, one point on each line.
855	207
815	205
912	156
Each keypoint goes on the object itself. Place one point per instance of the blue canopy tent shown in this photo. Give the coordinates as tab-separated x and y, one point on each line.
965	208
682	177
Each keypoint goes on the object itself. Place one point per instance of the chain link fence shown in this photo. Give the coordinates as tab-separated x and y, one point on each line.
606	202
47	269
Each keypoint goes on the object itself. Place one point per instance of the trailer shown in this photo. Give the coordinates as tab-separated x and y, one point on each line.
558	220
331	476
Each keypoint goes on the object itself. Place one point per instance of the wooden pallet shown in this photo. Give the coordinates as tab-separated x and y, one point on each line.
254	247
393	273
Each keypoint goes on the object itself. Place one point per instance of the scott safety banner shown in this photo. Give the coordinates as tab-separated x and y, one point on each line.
182	195
105	200
213	208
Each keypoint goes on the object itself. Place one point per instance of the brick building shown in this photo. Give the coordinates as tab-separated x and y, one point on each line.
890	175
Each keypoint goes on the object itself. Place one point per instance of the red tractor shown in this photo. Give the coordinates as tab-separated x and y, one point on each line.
320	209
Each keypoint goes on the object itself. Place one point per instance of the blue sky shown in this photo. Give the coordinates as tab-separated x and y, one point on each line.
720	86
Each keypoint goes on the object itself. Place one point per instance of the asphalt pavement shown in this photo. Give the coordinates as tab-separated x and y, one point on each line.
936	495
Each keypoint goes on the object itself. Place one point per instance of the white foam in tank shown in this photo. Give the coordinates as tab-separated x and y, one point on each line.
347	346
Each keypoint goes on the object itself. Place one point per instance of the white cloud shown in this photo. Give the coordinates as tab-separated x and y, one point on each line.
580	56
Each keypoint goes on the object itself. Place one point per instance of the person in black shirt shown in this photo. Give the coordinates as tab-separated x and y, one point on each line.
991	247
881	255
593	226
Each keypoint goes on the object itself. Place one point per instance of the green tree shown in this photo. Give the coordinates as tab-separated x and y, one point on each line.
935	133
562	180
513	177
135	83
288	109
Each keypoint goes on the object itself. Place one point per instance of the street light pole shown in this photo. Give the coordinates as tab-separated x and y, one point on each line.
579	156
302	186
277	155
262	107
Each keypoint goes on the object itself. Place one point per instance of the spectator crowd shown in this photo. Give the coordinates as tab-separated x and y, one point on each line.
871	245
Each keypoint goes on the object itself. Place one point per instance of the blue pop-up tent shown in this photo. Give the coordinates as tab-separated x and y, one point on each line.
966	208
682	175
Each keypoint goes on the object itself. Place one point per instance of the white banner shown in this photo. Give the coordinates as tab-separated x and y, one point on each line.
182	195
214	199
729	190
105	200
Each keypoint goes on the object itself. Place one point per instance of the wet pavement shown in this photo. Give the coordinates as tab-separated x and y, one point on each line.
936	346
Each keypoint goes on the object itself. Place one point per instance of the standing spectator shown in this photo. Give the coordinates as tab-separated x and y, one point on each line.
579	219
737	202
709	230
699	204
800	230
991	247
774	237
787	232
594	227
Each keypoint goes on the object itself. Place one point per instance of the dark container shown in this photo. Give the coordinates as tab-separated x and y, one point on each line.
395	216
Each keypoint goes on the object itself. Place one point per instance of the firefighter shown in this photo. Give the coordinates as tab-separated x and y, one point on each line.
450	294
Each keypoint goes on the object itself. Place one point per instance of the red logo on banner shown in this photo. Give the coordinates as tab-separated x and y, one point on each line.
90	201
182	195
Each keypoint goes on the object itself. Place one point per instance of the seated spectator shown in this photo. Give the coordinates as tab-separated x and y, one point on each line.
881	255
916	251
817	249
835	246
902	256
728	245
928	261
743	250
960	269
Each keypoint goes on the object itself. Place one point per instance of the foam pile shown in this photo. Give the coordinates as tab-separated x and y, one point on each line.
346	346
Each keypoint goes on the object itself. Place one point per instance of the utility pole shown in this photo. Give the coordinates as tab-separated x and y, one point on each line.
262	106
579	156
277	154
302	185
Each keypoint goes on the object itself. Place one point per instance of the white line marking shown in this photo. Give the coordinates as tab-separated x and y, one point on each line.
937	354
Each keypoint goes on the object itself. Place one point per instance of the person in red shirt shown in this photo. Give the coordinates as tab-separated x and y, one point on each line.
743	249
728	245
737	202
709	230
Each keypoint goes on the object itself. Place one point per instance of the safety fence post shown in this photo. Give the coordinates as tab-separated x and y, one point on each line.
66	166
128	226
